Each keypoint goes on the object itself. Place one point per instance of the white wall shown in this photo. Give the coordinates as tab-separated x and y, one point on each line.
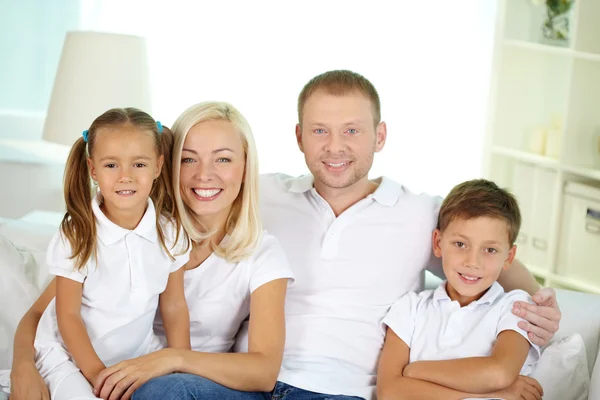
429	59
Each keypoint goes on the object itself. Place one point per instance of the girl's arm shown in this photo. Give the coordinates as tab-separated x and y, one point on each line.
174	312
255	371
477	374
72	329
25	380
392	384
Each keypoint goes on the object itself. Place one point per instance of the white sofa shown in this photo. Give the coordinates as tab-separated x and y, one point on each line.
581	312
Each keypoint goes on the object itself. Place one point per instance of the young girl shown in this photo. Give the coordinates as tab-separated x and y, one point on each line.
112	256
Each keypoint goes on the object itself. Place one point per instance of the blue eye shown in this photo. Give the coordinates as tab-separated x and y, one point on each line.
187	160
223	160
352	131
319	131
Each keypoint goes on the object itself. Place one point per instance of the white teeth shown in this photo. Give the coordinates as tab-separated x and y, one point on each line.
126	192
337	165
206	193
469	278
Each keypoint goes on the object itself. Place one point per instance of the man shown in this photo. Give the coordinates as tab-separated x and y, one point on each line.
355	245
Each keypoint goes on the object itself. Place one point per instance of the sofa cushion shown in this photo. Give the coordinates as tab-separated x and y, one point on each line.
18	293
562	369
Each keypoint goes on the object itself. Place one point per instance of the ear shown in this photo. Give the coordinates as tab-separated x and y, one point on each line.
436	240
381	136
299	137
91	168
161	161
511	256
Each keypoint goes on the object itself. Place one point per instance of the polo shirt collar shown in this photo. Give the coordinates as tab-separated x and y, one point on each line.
110	233
386	194
440	294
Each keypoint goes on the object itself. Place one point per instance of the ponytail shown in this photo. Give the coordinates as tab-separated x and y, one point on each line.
162	192
79	224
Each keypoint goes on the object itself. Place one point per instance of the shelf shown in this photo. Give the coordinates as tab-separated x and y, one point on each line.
535	270
563	281
541	48
585	172
520	155
548	162
548	49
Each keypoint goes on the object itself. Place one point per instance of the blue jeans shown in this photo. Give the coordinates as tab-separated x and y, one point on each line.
191	387
283	391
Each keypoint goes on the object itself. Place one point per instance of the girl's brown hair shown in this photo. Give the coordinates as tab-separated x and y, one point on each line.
79	223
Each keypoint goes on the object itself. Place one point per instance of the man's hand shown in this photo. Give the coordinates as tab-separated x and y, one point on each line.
543	318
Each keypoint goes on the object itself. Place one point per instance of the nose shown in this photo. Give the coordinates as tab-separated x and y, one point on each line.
125	175
335	143
472	259
204	171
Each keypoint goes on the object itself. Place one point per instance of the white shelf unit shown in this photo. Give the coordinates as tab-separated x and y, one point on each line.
543	132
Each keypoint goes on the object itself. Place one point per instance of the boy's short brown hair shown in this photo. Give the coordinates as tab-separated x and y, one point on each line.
338	83
481	198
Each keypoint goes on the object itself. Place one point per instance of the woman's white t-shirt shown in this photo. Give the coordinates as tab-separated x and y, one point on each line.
121	287
218	294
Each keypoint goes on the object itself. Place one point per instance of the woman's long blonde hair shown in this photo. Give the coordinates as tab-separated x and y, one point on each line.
243	224
79	224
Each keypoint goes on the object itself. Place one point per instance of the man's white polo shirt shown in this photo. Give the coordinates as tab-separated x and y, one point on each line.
120	287
349	270
437	328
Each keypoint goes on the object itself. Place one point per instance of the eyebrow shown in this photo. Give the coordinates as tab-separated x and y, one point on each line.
467	238
213	152
116	158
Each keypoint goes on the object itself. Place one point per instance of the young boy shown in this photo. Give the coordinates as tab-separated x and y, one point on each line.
462	340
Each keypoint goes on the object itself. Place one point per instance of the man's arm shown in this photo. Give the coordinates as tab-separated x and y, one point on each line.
518	277
543	318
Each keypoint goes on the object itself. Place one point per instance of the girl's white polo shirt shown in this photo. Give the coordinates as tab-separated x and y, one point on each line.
120	287
218	294
437	328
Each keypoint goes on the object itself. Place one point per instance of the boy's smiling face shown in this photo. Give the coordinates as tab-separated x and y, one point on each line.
474	252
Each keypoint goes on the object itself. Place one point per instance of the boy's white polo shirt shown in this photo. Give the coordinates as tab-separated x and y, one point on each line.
121	285
349	270
218	294
437	328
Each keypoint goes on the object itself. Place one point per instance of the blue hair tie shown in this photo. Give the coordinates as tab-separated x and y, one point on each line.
159	127
85	135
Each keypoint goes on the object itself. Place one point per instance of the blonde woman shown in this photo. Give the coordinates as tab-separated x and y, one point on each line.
235	269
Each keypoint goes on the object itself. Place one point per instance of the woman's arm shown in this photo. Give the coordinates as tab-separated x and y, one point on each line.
174	312
256	370
392	384
477	374
25	380
72	328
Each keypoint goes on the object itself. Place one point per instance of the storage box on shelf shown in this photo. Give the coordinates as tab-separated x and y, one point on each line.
544	133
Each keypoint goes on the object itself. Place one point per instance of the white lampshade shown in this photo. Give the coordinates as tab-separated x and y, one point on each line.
97	71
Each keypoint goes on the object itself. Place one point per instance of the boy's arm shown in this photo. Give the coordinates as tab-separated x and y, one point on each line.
477	374
72	328
175	313
393	385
